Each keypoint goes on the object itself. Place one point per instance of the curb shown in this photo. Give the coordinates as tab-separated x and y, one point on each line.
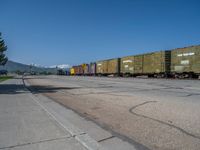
82	137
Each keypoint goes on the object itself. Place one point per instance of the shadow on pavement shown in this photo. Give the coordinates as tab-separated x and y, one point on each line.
48	89
11	89
19	89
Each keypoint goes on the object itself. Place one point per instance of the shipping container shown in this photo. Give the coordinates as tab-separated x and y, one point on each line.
186	60
156	63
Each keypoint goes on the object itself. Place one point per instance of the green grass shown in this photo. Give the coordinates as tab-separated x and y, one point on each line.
3	78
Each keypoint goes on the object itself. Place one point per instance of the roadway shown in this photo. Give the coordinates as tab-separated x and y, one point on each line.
31	121
156	113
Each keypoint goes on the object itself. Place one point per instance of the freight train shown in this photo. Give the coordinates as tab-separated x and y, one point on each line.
180	63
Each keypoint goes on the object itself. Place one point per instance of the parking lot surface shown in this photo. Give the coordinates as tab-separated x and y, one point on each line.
157	113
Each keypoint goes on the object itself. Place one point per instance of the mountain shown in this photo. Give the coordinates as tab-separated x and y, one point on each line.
63	66
12	66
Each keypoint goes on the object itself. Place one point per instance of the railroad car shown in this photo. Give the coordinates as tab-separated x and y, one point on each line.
75	68
185	62
85	69
131	65
92	69
101	67
72	71
114	66
127	66
156	63
138	64
108	67
78	70
181	62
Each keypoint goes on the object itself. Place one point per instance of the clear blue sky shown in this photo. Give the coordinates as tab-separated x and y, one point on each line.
49	32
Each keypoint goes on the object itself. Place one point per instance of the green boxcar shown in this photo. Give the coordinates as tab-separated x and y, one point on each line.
101	67
127	65
156	62
132	65
108	67
146	64
138	64
186	60
113	66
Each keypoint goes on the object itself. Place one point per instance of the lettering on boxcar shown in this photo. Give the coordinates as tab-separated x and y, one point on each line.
185	62
127	61
186	54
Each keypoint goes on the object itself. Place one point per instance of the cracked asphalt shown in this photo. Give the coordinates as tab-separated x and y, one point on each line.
160	114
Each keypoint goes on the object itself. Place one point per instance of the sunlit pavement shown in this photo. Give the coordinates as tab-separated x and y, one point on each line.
155	113
34	122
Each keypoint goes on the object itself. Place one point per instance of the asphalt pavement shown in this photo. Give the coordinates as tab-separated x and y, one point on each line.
148	113
30	121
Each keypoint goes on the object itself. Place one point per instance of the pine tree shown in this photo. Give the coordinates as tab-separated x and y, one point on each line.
3	48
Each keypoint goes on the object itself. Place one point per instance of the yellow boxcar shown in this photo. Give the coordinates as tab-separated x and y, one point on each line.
72	71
